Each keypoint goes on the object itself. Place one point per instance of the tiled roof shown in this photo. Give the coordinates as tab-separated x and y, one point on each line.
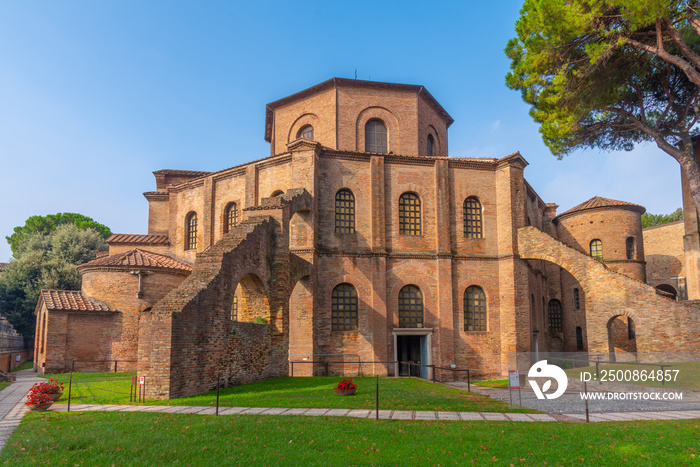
139	239
71	300
137	258
598	202
194	173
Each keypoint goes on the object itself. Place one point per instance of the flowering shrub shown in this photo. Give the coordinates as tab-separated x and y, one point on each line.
346	384
36	398
51	387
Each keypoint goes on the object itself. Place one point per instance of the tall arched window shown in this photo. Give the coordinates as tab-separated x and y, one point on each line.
191	231
344	308
410	307
431	145
409	214
307	131
230	217
474	309
629	244
344	211
579	338
555	324
472	218
375	136
597	249
577	300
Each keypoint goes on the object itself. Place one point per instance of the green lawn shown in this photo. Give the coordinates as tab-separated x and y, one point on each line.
317	392
25	366
3	385
108	438
494	383
688	376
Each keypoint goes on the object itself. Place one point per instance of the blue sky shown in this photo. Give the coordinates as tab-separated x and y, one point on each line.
95	96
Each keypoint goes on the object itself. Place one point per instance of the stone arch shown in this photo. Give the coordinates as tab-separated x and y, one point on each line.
254	304
392	128
668	289
621	338
437	143
303	120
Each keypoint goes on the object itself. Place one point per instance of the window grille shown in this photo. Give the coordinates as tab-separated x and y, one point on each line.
410	307
577	300
597	249
409	214
555	323
474	309
230	217
191	231
630	247
234	309
472	218
307	131
344	308
375	137
344	211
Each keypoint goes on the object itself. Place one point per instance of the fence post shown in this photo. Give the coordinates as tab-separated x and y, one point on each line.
218	383
433	374
469	382
115	366
292	369
377	409
70	383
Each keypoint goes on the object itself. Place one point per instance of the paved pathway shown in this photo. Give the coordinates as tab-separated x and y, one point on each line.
12	400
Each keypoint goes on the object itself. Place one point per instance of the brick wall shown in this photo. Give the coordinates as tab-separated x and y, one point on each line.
663	248
8	360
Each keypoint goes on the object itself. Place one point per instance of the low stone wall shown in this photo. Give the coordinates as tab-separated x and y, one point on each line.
8	360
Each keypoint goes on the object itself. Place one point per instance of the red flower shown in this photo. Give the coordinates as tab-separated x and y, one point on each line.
346	384
37	398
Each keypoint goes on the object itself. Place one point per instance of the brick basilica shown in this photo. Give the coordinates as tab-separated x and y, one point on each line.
359	239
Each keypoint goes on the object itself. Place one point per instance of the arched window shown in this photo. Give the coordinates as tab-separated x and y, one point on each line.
631	333
431	145
344	308
276	193
230	217
191	231
410	307
474	309
344	211
307	131
577	300
597	249
554	309
409	214
472	218
375	136
630	247
234	309
579	338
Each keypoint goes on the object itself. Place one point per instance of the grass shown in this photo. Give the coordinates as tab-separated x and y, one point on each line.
25	366
688	376
4	384
317	392
494	383
109	438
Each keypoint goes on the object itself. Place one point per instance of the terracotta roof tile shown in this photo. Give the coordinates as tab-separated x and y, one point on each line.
137	258
598	202
196	173
72	300
138	239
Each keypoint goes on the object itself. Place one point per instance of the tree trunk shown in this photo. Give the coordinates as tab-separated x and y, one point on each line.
689	167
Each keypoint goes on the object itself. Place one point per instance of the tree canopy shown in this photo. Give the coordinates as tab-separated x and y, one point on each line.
44	260
650	220
610	74
49	223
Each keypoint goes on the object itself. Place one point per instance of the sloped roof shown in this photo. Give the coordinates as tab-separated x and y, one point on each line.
138	239
598	202
137	258
71	300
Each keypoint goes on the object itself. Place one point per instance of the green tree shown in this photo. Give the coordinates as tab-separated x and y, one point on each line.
44	261
49	223
611	73
650	220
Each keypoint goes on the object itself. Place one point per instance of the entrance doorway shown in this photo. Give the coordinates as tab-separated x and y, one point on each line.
412	349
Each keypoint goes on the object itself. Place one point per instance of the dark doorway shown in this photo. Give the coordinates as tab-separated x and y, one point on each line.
408	351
